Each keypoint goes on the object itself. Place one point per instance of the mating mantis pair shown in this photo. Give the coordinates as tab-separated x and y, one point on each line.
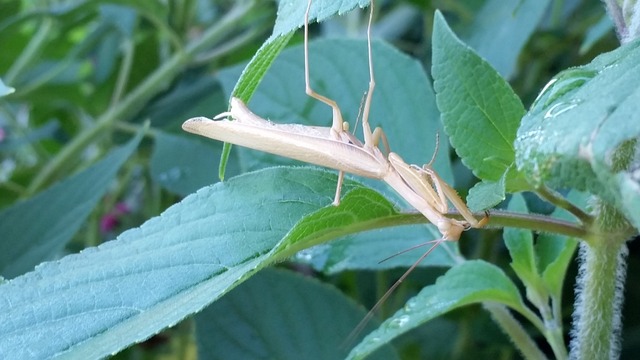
335	147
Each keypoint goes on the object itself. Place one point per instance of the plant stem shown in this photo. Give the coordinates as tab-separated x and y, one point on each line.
597	319
125	70
514	330
499	219
563	203
30	53
555	337
135	100
539	223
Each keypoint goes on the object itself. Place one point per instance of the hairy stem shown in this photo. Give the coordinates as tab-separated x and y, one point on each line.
599	292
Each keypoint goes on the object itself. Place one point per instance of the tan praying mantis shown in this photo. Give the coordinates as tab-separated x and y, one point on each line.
335	147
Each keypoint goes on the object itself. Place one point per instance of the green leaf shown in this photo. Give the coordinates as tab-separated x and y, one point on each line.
258	66
350	217
555	252
362	209
486	194
501	29
250	79
186	99
154	11
598	155
38	228
596	33
261	319
519	242
365	251
291	13
183	165
121	18
468	283
14	144
630	202
5	90
479	109
172	266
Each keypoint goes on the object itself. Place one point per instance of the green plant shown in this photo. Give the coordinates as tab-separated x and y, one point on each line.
105	298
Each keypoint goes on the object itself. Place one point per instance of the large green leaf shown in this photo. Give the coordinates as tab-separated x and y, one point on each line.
582	130
38	228
479	109
470	282
170	267
183	165
262	319
501	29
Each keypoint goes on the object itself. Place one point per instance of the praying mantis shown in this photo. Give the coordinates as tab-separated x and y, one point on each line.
336	148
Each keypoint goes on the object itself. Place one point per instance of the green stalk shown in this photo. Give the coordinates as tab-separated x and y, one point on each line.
559	201
512	327
138	97
128	50
597	321
30	53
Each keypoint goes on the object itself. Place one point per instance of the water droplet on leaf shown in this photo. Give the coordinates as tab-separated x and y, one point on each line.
560	108
410	305
564	83
399	321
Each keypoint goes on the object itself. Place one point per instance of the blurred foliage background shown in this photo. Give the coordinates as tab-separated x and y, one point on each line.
88	74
